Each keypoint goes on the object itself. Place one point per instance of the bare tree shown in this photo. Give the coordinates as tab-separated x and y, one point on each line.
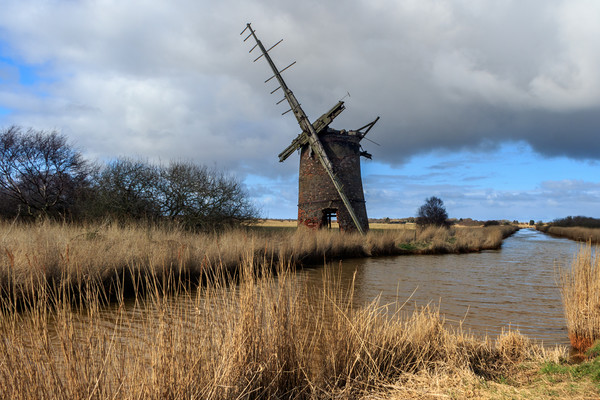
180	186
39	171
201	197
432	212
186	193
125	189
41	175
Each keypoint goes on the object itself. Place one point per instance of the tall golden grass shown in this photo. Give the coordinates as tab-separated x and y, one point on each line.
58	256
259	339
574	232
580	290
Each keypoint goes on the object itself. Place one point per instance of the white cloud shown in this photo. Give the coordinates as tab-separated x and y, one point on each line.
570	80
441	74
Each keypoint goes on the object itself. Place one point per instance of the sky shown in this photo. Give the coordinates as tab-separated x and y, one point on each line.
493	106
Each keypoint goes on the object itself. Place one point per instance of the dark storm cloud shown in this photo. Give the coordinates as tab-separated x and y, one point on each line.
573	134
173	79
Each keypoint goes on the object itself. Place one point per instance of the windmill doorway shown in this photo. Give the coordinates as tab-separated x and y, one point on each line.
329	216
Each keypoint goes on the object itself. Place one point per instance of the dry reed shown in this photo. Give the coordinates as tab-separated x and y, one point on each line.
71	256
576	233
259	339
580	290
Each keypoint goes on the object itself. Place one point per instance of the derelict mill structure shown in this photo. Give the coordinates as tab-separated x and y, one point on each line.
330	183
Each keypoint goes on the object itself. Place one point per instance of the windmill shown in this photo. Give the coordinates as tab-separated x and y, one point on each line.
329	181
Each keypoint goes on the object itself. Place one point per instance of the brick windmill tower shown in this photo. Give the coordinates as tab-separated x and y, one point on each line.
330	184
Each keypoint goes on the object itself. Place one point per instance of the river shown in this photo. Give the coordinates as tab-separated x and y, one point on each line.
488	291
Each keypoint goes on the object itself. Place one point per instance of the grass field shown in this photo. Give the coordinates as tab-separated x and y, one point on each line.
109	311
262	340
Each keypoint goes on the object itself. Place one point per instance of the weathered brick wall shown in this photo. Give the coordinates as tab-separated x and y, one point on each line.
316	190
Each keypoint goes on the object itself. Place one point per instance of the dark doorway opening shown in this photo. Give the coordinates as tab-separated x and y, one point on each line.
329	215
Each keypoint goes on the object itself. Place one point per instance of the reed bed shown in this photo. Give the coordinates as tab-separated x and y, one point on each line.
575	233
59	256
258	339
580	290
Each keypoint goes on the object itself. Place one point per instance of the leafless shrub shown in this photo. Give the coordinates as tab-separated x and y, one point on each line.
182	193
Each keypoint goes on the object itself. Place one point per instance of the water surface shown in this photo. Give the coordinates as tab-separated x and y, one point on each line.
514	286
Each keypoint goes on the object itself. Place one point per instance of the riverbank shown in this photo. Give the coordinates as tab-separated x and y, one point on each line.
57	256
265	340
574	233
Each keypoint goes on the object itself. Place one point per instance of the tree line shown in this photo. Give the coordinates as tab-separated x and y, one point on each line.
578	221
43	176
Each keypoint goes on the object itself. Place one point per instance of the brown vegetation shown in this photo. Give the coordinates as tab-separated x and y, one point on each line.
63	338
580	289
62	255
575	233
260	339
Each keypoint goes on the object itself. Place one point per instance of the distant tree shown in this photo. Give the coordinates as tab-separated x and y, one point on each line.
531	222
579	221
491	223
40	173
432	212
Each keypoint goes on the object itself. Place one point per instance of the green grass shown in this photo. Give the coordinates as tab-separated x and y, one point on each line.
586	370
408	246
594	351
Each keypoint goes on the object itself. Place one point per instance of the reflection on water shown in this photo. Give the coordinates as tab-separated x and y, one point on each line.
489	291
